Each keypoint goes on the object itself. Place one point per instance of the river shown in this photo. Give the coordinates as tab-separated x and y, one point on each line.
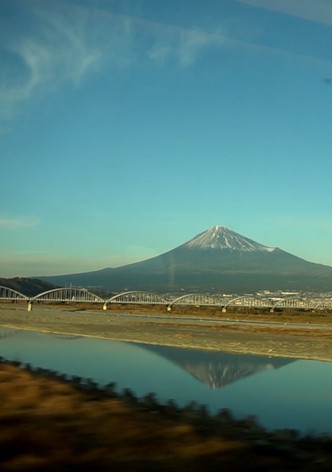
279	392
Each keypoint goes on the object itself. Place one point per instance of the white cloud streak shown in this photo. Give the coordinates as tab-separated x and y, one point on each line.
63	43
54	48
18	223
182	44
312	10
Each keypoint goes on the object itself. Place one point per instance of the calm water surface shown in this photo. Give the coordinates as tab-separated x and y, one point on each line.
279	392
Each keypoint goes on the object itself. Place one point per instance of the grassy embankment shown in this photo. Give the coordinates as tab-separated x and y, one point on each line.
49	423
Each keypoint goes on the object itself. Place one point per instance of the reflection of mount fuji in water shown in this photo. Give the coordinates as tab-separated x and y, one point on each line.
217	369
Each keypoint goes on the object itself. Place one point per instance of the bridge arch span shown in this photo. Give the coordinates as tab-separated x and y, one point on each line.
136	296
295	302
250	301
198	299
7	293
68	294
324	304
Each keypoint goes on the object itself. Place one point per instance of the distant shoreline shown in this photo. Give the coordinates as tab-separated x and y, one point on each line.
240	338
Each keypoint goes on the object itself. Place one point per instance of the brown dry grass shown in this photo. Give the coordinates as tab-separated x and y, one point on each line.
49	425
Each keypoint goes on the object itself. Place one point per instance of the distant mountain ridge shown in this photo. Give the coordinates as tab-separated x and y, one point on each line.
217	260
29	286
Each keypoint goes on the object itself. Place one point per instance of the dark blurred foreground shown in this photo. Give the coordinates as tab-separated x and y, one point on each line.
49	422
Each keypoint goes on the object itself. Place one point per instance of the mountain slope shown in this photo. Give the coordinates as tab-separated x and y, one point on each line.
220	237
27	286
217	260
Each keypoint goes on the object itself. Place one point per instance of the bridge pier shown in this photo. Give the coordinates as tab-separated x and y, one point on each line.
169	308
224	309
105	306
29	306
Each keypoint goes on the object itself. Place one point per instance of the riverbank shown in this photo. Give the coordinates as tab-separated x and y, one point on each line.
68	424
58	423
235	335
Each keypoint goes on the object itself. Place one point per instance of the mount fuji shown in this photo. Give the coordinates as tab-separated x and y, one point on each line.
217	260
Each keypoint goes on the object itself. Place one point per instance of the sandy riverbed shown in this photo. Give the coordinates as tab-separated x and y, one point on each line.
284	340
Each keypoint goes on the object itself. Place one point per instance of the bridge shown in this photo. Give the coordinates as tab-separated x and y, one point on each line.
71	294
136	297
10	294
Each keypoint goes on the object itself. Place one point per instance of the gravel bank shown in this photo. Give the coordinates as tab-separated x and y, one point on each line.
279	341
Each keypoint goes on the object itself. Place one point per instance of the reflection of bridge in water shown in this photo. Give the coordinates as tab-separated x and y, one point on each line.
7	333
82	295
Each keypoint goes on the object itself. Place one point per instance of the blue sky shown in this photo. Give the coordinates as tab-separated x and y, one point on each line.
127	127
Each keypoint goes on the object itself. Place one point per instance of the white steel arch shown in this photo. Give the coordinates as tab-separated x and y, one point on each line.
136	296
250	301
327	304
295	302
7	293
199	299
69	294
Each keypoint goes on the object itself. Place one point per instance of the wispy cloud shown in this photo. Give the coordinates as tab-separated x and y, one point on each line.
62	43
318	10
11	223
65	43
193	42
53	48
185	45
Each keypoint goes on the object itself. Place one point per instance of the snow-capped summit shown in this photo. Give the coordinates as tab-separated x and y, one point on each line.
220	237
